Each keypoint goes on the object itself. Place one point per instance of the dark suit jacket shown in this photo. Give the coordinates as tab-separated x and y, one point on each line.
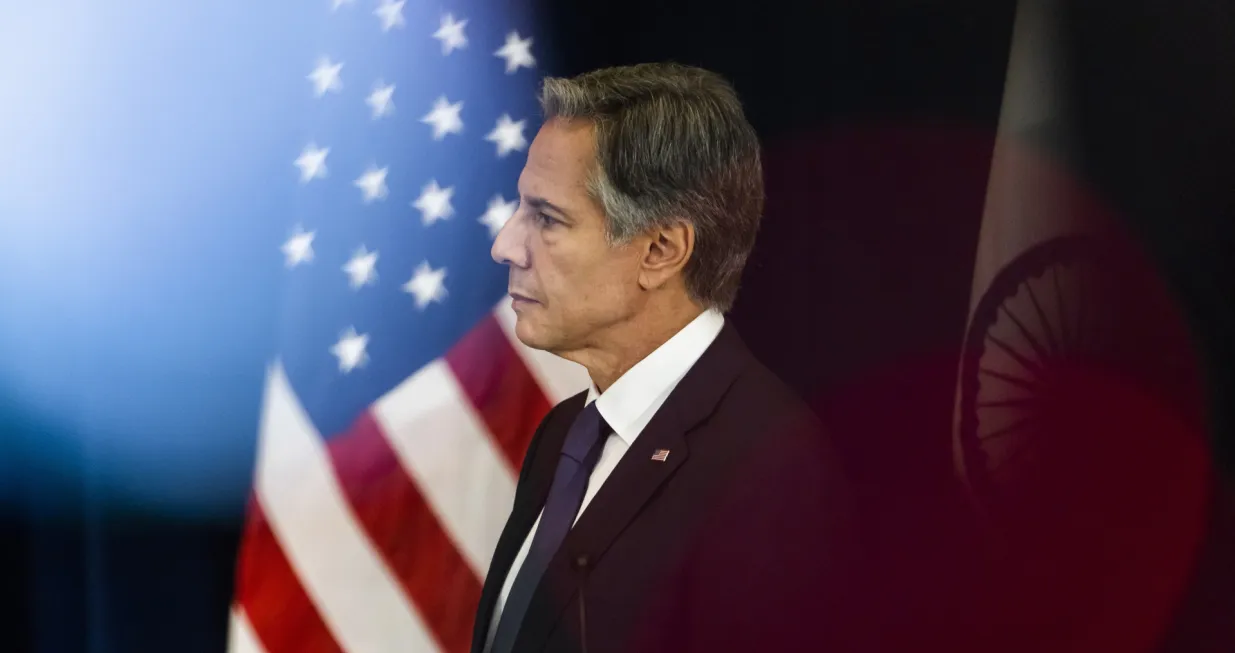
742	540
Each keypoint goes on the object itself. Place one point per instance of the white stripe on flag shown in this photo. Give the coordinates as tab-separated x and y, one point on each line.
240	637
559	378
444	445
357	597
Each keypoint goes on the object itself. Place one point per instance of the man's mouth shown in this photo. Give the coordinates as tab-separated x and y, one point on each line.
522	298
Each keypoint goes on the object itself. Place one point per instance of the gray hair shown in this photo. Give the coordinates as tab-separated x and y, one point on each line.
672	143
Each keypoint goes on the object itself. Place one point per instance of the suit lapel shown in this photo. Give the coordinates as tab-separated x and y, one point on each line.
530	496
634	481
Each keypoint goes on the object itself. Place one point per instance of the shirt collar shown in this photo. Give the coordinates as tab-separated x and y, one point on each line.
658	373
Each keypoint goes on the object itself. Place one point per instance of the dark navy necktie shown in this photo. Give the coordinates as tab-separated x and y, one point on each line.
580	452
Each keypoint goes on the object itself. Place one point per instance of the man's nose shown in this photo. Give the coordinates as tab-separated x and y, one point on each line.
509	248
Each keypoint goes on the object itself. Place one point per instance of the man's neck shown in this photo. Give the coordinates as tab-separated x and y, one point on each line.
626	344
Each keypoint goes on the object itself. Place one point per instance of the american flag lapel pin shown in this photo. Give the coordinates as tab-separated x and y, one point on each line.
660	455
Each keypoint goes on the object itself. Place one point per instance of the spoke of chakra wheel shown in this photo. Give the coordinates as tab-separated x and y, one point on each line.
1011	350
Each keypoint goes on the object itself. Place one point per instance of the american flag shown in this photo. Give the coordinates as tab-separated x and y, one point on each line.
397	411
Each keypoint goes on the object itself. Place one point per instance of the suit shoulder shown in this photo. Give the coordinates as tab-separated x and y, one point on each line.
765	397
783	439
784	444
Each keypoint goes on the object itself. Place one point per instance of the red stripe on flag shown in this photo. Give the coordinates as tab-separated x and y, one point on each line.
281	614
403	527
499	385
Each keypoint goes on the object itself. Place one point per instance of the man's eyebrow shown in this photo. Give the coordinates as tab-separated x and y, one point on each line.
540	203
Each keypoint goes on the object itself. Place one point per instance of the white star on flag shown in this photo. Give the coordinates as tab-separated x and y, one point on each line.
498	213
312	162
445	118
508	135
299	248
373	184
350	350
381	100
451	34
434	203
361	269
391	13
517	52
325	77
426	285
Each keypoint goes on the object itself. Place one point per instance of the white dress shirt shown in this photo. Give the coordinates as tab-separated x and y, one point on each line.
627	407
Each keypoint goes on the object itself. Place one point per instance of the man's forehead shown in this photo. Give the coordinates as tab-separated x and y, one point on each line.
558	160
546	193
564	143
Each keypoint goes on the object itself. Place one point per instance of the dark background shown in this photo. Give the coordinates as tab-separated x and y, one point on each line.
878	121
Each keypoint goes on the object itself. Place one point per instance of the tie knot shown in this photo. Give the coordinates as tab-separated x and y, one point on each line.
585	434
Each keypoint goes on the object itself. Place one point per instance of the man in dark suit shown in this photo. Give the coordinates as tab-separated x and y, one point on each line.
688	501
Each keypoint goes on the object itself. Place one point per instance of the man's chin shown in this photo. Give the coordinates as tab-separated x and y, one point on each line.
529	335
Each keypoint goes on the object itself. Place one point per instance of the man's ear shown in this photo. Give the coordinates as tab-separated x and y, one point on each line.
666	252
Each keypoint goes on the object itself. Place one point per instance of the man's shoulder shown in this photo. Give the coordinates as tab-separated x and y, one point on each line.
780	444
762	395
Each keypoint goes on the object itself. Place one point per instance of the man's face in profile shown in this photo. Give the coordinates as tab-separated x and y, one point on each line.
567	283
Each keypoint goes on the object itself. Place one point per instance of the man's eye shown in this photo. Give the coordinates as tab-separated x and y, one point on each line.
545	220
